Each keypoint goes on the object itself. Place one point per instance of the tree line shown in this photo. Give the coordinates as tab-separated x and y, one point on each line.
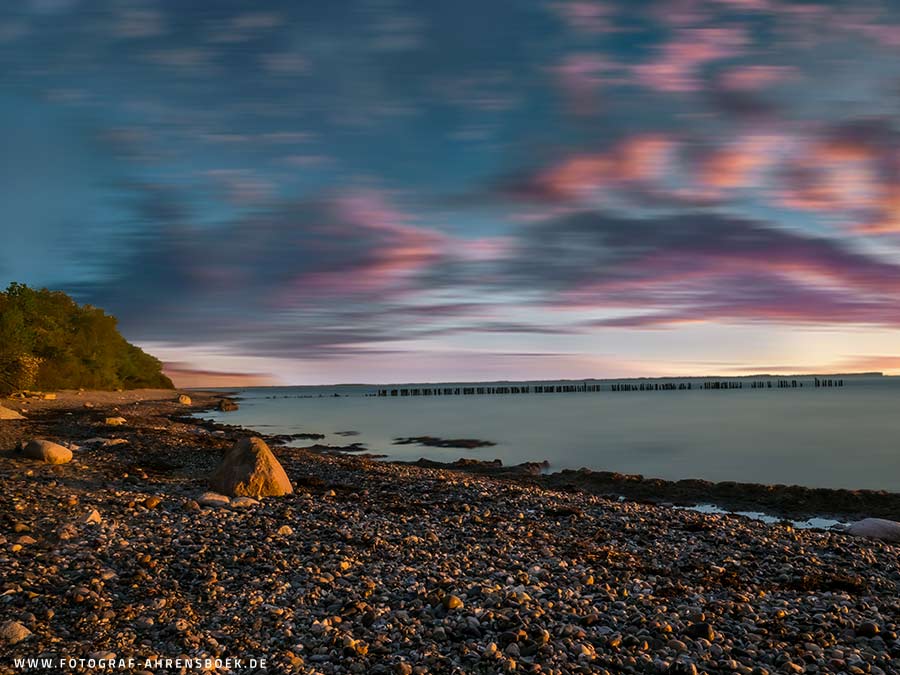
49	341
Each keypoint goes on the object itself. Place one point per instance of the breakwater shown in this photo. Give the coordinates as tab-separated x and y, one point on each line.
595	387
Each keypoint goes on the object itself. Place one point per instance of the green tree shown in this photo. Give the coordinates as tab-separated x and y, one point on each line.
49	341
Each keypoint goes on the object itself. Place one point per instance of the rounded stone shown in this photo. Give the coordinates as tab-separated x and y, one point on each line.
13	632
47	451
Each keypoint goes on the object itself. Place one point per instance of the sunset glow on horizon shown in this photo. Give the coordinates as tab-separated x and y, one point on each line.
390	191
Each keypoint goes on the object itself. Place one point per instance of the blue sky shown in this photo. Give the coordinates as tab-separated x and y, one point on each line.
382	190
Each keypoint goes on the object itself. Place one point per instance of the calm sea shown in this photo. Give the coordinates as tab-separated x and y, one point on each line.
819	437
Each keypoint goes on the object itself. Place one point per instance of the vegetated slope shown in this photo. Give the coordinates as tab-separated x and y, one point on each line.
49	341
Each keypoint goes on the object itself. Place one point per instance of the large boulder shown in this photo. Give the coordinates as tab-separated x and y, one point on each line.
7	414
876	528
184	399
250	469
47	451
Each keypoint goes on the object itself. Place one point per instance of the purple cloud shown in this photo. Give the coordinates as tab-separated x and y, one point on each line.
702	267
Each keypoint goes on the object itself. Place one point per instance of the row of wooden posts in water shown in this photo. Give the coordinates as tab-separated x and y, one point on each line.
625	386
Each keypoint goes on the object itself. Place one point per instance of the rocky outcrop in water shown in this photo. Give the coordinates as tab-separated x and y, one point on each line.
434	442
793	501
492	467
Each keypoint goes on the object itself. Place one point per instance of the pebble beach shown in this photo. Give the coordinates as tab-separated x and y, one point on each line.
117	561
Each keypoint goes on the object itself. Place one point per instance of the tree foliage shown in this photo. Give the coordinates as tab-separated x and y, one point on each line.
49	341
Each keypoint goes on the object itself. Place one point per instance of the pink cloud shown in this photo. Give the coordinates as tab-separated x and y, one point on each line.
576	177
638	158
398	250
680	61
644	157
739	164
887	218
848	175
756	77
484	248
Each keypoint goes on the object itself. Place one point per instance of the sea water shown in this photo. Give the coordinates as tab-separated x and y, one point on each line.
847	437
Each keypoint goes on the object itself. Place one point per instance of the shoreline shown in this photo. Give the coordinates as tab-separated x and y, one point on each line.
790	502
387	568
793	502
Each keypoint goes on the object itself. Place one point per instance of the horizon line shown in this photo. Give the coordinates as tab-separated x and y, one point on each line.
584	379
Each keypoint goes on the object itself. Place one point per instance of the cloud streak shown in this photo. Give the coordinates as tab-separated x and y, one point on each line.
703	267
309	278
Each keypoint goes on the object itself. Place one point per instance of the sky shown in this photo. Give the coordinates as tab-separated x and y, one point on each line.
397	190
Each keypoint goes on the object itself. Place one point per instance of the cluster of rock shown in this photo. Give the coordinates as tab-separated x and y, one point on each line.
795	501
37	395
487	467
